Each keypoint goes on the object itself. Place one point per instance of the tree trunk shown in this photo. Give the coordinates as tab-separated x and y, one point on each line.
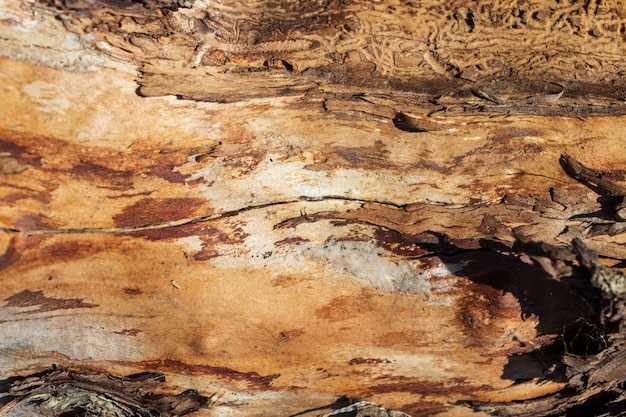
289	208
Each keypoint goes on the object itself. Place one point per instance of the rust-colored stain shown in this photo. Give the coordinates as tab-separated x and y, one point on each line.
72	249
252	379
505	135
168	173
108	177
304	218
99	167
9	255
21	192
290	241
338	219
119	196
491	226
173	232
364	157
158	210
452	387
5	257
29	298
211	242
21	154
286	281
35	251
286	335
132	291
31	222
25	250
406	337
480	307
347	306
415	245
367	361
227	237
425	162
128	332
474	243
617	174
244	162
406	245
424	408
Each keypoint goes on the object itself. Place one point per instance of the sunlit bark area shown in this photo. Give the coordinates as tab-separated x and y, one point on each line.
289	208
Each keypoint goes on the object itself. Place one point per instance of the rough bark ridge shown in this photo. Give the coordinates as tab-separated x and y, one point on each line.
312	208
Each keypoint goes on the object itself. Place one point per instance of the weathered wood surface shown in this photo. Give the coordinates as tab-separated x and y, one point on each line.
324	211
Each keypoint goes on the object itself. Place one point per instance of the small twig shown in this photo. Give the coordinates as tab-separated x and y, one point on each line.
598	183
489	97
591	178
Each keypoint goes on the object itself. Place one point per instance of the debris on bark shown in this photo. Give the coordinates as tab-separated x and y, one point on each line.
65	392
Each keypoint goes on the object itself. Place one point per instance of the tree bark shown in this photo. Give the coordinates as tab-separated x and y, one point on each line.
290	208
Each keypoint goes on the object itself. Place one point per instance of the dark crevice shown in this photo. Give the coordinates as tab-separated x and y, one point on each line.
407	123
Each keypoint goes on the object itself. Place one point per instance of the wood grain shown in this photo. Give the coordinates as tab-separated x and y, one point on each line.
283	206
